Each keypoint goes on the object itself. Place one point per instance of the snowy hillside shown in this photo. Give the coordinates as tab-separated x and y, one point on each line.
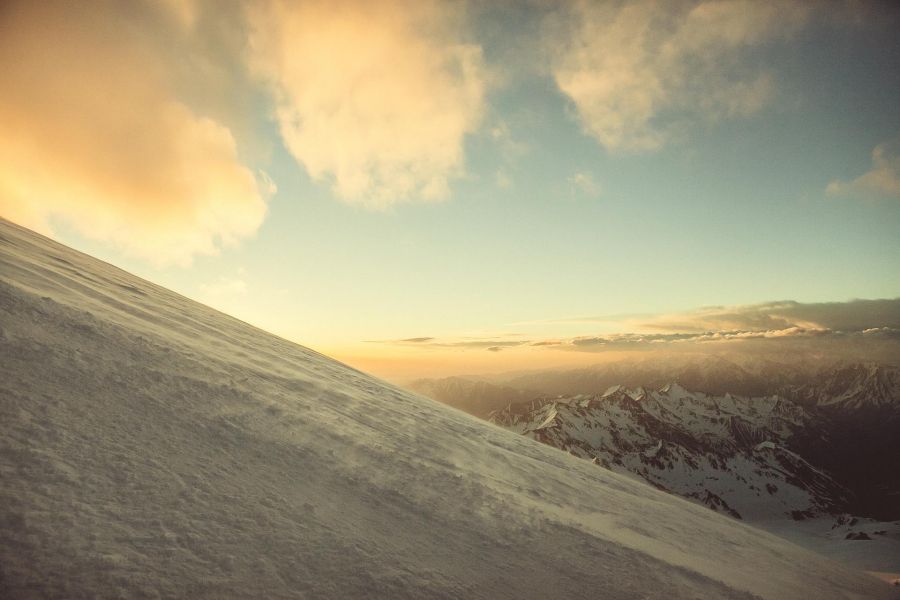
152	447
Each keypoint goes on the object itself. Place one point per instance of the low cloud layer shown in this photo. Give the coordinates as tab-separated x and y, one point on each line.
491	344
417	340
631	341
96	131
769	325
374	97
638	72
853	321
855	315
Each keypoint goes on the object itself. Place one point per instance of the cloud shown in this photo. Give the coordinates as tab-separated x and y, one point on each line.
584	183
854	315
479	344
375	98
883	179
787	332
488	343
638	72
509	147
855	320
626	341
623	340
96	131
883	332
509	151
856	329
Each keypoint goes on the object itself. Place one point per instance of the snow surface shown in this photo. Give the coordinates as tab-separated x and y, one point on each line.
834	538
151	447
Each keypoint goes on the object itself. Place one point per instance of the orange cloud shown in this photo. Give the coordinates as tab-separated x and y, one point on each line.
93	131
375	98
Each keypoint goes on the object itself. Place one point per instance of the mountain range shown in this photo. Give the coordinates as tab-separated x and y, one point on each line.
841	419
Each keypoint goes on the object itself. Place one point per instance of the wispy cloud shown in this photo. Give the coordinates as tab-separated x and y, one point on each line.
97	129
633	339
510	148
891	333
493	344
854	315
374	97
638	72
509	152
765	323
883	179
583	183
706	341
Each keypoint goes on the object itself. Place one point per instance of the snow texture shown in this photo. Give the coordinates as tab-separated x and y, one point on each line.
151	447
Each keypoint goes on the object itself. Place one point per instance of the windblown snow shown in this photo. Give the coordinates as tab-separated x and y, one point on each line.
153	447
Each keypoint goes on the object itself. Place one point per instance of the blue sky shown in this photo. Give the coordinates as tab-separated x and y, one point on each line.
610	159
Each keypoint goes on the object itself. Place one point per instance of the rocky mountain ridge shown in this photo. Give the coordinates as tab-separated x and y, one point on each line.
830	449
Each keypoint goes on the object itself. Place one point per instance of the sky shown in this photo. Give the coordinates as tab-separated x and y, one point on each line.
427	188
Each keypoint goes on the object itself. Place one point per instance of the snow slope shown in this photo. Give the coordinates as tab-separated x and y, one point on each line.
152	447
